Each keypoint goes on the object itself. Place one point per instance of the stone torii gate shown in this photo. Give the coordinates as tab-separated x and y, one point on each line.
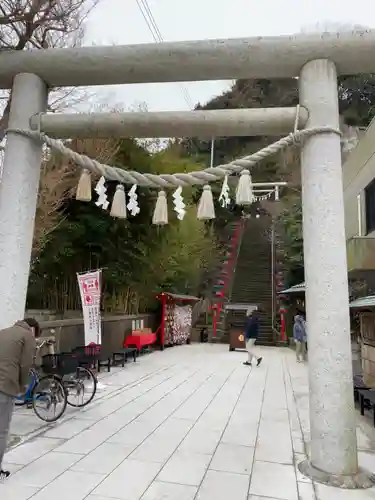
316	59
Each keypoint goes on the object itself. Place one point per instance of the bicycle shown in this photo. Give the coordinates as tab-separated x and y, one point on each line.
78	381
44	392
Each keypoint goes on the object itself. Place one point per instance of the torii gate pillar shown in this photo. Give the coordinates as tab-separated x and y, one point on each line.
333	458
18	196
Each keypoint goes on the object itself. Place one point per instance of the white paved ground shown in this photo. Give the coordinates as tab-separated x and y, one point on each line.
188	423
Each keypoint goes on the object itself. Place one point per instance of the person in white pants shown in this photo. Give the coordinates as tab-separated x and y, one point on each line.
251	334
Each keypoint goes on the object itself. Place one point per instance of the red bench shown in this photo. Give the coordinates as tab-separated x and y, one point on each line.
141	338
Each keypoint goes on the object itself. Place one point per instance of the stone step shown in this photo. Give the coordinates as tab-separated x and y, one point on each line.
252	280
253	287
263	297
256	281
255	292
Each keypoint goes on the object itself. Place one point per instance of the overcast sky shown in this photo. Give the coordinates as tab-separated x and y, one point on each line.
121	22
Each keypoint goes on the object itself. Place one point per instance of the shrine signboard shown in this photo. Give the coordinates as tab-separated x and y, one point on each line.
90	290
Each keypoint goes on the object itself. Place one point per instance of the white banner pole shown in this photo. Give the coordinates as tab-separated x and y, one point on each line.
90	290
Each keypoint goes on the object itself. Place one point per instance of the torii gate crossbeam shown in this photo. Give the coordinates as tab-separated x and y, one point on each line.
260	57
203	124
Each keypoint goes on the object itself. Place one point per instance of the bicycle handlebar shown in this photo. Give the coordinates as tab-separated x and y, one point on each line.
48	342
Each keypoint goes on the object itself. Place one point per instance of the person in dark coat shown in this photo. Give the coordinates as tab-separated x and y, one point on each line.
251	335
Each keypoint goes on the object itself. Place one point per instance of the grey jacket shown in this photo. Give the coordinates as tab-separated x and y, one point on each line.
17	351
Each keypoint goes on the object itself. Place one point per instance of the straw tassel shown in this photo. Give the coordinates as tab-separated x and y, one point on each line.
160	217
84	186
244	193
118	208
206	209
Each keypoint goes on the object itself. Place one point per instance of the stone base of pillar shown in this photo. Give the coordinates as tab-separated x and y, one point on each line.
359	481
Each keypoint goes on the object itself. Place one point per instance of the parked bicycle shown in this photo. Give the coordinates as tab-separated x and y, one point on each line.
79	382
44	394
63	382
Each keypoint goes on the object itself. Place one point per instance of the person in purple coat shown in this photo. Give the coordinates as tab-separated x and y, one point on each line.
300	337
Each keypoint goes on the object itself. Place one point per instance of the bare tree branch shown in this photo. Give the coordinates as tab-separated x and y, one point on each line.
42	24
38	25
58	182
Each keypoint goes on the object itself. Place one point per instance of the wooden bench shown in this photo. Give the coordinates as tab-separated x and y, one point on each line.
140	339
93	356
367	401
121	356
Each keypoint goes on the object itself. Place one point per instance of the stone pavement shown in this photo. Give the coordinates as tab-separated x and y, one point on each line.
188	423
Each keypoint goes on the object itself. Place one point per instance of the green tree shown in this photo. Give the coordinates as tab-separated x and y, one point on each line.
137	258
289	223
357	99
42	24
185	249
357	108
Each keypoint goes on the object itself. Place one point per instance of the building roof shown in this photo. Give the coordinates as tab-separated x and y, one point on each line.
368	301
300	288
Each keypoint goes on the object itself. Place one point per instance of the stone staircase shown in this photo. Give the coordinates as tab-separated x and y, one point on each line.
252	279
225	272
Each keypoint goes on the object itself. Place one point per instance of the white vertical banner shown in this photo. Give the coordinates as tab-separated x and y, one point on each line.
90	289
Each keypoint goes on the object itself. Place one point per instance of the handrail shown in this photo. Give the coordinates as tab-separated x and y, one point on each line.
231	271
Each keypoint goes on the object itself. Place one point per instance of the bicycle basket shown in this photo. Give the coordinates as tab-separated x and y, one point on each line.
59	364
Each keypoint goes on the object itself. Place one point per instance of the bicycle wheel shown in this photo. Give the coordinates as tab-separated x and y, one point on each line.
80	387
49	399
